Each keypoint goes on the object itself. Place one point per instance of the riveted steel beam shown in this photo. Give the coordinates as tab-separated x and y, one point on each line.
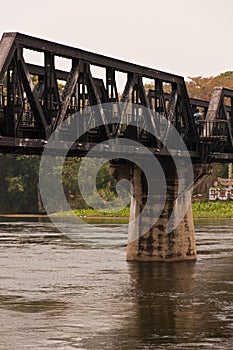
41	45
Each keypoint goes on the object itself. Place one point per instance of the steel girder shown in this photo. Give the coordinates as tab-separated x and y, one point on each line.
33	104
36	111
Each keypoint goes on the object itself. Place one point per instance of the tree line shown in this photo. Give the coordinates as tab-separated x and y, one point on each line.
19	184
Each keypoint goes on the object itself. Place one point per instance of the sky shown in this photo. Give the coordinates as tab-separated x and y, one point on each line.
188	38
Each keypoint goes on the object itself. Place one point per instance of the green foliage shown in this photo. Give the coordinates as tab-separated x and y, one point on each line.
19	191
18	184
15	184
105	184
215	209
108	213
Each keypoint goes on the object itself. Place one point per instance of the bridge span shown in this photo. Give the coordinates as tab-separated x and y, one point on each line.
41	101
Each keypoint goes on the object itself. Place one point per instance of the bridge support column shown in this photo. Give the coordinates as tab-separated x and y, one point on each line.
156	244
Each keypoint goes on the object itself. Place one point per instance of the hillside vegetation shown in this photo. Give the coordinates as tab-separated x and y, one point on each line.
201	87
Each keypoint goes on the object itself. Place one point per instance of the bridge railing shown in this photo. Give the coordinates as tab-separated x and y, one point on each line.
214	130
1	100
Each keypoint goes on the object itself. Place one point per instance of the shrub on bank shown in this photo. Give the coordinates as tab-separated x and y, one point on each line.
215	209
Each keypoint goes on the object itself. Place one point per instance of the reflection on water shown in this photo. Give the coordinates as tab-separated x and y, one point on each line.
56	292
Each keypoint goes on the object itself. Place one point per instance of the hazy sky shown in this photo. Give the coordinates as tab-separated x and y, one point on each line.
184	37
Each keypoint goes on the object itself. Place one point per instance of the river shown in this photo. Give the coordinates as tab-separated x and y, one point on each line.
62	293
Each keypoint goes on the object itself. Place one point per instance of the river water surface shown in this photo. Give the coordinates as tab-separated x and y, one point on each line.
62	293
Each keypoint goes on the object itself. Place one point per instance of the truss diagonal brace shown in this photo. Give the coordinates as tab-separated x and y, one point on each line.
68	90
98	102
173	104
32	98
125	100
145	101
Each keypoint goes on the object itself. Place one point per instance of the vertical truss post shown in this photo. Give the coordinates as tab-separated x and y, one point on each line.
150	118
113	96
1	101
51	94
96	100
125	100
159	96
110	80
231	114
10	117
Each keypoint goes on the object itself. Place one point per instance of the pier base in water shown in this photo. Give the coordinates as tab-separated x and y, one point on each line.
157	243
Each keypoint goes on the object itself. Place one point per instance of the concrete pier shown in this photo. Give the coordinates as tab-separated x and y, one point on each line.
156	244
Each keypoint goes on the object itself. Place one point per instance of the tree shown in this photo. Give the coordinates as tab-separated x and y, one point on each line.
202	87
19	184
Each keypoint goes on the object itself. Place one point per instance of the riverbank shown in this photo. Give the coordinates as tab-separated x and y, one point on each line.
214	209
201	210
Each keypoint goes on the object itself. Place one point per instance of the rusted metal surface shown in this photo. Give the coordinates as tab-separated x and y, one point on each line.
32	104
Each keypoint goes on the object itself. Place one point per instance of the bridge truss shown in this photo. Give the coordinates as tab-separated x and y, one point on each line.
35	100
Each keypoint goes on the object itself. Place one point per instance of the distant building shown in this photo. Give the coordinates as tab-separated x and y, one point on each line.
223	188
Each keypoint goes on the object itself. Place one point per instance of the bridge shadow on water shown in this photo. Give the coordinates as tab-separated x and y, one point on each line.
162	294
170	310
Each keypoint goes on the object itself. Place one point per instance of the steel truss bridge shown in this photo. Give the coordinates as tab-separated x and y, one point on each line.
35	100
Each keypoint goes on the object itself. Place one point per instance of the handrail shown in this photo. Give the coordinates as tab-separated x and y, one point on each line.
214	129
